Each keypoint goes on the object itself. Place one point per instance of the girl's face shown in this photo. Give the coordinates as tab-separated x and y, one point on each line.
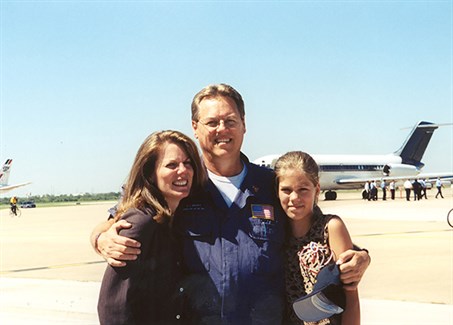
297	194
174	174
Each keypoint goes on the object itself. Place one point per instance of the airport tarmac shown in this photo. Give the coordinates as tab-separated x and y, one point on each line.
49	273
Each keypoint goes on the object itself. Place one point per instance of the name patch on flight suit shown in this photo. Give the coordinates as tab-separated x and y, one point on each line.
263	211
194	207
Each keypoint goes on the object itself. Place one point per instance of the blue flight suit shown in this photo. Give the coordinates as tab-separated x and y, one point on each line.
234	261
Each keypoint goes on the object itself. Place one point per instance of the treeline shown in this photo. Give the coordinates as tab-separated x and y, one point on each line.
87	197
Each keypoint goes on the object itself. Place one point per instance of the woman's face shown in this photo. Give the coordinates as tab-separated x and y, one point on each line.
297	194
174	174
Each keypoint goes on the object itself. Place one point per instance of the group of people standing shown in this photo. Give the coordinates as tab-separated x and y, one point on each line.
370	191
418	187
219	240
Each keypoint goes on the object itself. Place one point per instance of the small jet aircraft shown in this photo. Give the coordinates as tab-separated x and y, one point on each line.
4	176
352	171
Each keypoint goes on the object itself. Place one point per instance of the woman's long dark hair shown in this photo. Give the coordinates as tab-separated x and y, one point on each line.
140	190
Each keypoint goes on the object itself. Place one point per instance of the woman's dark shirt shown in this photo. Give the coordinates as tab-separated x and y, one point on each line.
145	291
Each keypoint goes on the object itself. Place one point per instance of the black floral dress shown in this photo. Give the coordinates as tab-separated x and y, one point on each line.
305	258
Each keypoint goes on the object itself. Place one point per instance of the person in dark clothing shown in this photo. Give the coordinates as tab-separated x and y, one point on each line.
417	187
373	191
148	290
423	189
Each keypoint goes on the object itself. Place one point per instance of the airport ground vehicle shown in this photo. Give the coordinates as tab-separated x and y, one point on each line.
16	213
28	204
450	218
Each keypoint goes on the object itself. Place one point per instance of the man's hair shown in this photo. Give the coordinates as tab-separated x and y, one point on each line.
213	91
141	191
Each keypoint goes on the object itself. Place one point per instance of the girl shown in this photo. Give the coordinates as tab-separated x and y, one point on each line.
315	239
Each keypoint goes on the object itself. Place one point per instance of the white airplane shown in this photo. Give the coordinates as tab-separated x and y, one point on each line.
4	176
352	171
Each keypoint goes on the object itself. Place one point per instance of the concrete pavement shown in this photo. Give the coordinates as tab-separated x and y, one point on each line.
50	275
38	301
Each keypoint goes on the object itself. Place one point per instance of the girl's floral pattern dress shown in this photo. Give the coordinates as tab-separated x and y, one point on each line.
305	258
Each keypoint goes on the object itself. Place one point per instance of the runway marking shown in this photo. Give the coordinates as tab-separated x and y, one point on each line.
61	266
402	233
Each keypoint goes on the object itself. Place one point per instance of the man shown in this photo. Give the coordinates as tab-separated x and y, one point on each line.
233	232
366	191
408	189
439	188
373	191
384	190
13	203
416	186
423	188
392	189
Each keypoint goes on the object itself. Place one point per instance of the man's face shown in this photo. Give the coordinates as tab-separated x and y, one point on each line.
220	129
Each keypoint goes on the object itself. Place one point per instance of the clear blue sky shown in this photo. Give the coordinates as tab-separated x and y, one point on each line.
84	82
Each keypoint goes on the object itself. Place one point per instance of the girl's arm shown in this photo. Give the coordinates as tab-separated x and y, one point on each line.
339	242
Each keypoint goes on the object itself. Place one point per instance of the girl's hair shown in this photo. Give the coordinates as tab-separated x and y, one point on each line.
140	189
297	160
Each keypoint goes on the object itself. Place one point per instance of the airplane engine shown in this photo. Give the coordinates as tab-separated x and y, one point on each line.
400	170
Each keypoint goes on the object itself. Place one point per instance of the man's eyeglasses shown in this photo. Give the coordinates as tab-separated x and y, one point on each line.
213	124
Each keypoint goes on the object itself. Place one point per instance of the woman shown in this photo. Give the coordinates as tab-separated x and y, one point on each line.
315	240
167	166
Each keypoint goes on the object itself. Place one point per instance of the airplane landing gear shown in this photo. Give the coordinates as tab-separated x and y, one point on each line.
330	196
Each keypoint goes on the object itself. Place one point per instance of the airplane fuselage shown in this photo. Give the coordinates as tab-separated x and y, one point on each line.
334	175
338	172
352	171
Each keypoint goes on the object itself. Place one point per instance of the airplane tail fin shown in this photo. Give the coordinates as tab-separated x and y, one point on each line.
415	145
4	173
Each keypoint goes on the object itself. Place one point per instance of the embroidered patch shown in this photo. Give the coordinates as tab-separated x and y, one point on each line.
263	211
194	207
